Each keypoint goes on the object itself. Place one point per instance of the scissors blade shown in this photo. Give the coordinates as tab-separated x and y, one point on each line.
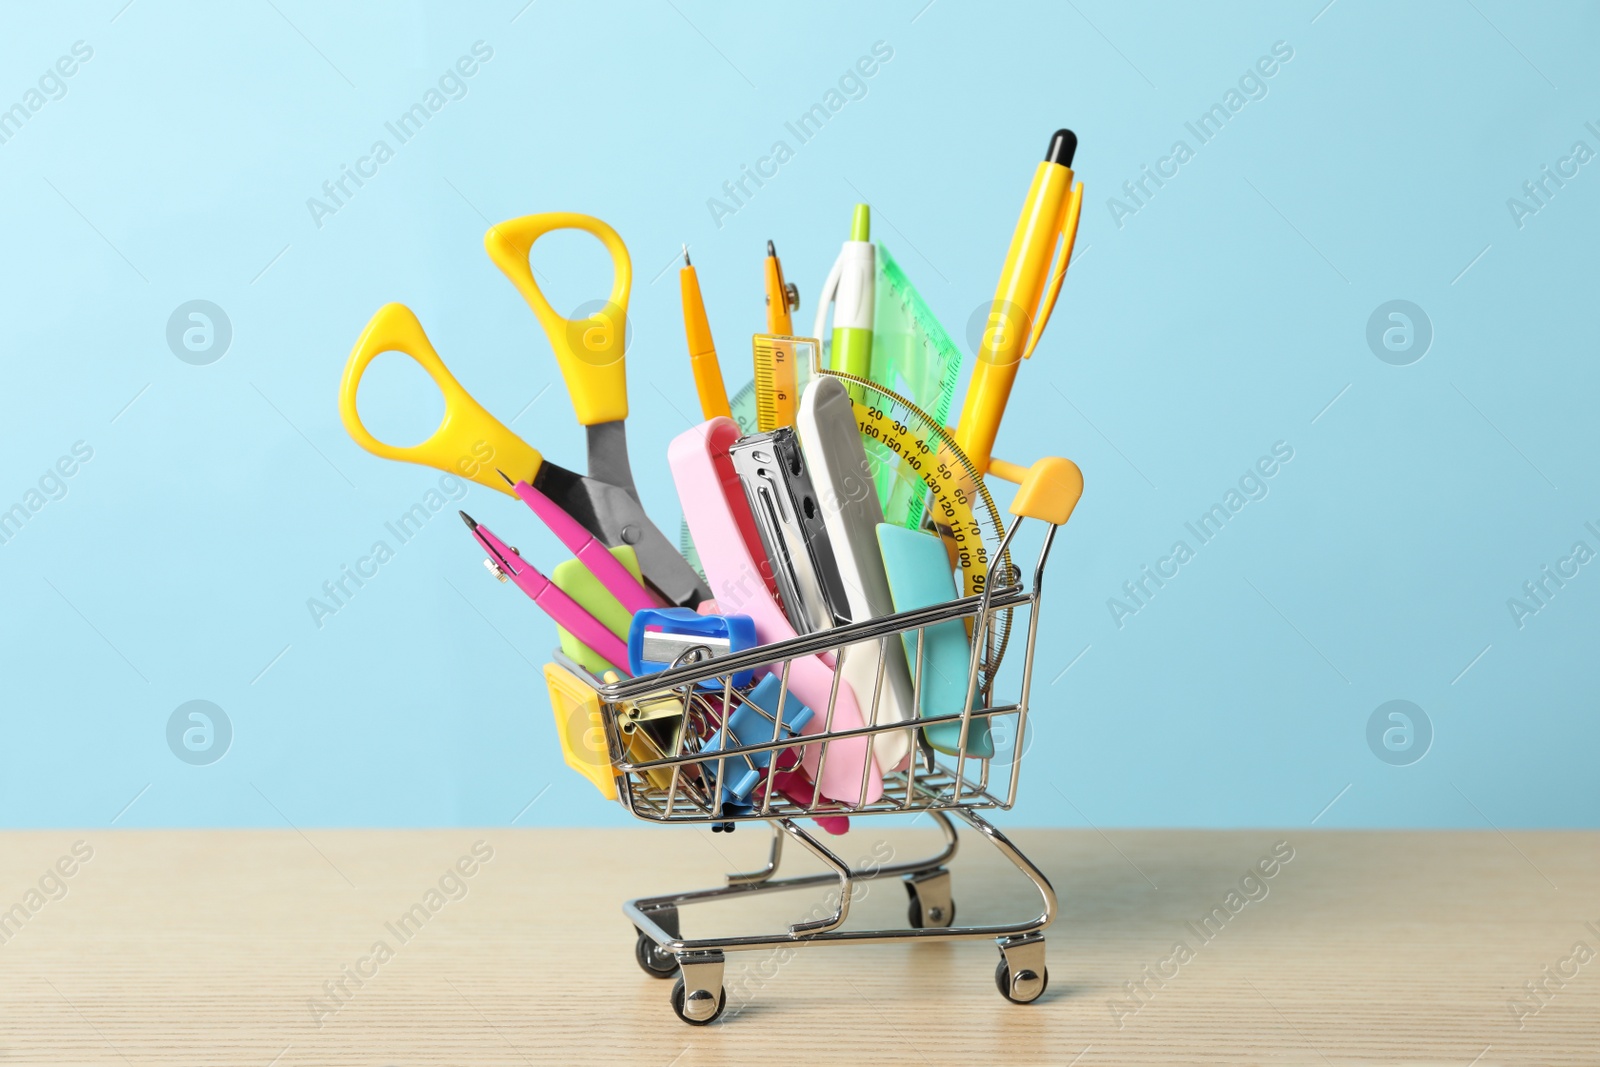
612	514
608	455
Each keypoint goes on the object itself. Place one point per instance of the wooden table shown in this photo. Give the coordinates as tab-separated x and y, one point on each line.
229	947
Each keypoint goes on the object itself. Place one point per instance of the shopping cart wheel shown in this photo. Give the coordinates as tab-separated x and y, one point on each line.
696	1009
1027	988
652	960
931	906
1021	975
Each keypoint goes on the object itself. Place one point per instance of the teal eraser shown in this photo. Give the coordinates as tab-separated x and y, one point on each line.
920	576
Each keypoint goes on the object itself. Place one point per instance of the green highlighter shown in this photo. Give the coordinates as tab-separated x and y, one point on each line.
573	578
849	289
920	577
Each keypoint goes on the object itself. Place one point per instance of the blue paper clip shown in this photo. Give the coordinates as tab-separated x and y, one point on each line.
750	724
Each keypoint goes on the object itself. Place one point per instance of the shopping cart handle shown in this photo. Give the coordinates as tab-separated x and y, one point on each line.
1050	490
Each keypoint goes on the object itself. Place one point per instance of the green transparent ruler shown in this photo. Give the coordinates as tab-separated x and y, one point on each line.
914	357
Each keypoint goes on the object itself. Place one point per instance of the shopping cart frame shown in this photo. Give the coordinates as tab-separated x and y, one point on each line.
940	788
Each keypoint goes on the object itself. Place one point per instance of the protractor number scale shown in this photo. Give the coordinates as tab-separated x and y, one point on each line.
946	475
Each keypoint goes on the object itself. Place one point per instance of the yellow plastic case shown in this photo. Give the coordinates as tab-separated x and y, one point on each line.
580	728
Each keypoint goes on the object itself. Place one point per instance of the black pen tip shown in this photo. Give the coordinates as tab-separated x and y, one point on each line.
770	250
471	525
686	256
1062	148
506	476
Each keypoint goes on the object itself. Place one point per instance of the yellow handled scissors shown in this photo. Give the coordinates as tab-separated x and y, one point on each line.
590	351
472	443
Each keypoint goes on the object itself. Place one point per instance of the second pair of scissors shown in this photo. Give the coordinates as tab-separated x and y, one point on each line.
472	443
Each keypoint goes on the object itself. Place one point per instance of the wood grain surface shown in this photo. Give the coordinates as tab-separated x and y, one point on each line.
176	948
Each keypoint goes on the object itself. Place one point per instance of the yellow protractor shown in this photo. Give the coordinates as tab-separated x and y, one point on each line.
961	509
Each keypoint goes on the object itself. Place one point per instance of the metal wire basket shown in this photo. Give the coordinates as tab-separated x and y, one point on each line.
667	745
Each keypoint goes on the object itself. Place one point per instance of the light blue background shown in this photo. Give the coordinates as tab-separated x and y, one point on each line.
1223	317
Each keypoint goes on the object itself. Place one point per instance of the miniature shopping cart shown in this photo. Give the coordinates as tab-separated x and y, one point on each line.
658	743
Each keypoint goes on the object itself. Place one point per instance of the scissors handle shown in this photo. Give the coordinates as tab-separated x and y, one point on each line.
469	442
589	351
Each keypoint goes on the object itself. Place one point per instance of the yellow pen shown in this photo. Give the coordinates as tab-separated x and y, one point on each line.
1016	318
702	353
781	297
